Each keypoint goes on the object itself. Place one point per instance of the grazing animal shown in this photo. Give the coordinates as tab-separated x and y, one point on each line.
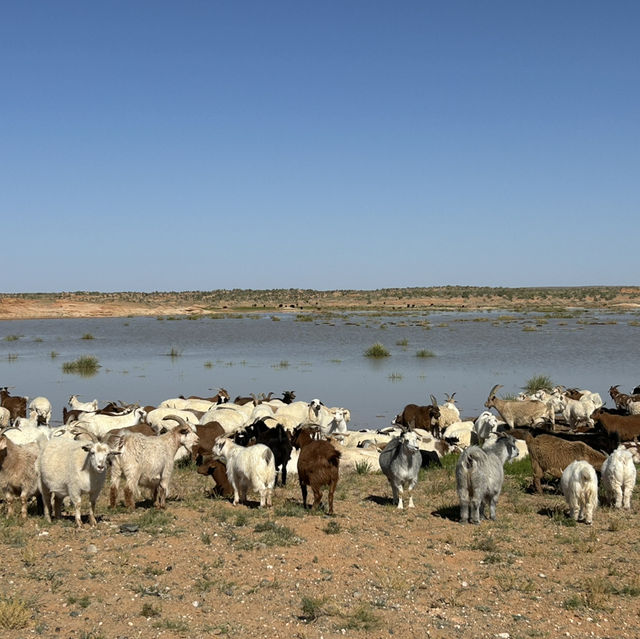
479	477
400	461
318	466
619	478
148	461
85	407
42	407
627	427
16	405
247	468
552	455
516	412
579	485
72	469
424	417
18	475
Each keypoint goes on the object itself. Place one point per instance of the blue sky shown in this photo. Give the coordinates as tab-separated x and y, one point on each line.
156	145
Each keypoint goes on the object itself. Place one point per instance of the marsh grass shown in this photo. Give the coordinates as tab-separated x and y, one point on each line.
85	366
12	338
425	353
538	382
53	354
87	336
377	350
174	352
395	377
12	357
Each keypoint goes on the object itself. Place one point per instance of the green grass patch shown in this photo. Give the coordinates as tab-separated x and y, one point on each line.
377	350
85	366
538	382
425	353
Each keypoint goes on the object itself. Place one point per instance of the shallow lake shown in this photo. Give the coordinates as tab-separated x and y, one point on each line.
322	358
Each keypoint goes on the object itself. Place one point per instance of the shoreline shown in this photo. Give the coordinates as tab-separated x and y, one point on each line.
93	305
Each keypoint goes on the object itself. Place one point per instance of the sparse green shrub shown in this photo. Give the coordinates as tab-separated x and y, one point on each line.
85	366
425	353
377	350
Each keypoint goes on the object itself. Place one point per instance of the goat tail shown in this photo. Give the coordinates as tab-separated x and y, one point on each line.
268	456
334	458
473	458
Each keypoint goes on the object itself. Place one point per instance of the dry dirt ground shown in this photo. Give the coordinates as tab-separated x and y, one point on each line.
203	567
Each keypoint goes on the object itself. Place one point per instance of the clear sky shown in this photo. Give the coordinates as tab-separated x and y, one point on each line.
154	145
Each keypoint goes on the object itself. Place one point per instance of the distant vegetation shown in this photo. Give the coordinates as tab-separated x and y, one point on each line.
545	299
538	382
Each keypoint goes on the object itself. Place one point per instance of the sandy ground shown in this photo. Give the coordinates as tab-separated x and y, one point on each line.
203	568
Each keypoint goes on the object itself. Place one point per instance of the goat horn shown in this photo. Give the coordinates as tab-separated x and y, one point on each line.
494	389
177	418
434	401
78	430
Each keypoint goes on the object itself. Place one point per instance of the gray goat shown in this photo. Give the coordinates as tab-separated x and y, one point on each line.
400	461
479	477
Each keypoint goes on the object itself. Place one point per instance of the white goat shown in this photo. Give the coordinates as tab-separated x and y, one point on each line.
248	468
200	405
156	418
479	477
72	469
26	430
449	413
337	424
100	425
42	407
579	485
618	477
148	461
230	418
485	424
86	407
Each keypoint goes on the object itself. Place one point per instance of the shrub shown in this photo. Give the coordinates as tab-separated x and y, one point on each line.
377	350
538	382
85	366
425	353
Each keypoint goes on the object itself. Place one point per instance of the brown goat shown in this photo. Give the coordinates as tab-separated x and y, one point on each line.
207	433
550	454
626	426
218	470
17	406
425	417
318	466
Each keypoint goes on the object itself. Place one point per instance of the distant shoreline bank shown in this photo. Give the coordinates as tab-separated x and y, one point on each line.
190	303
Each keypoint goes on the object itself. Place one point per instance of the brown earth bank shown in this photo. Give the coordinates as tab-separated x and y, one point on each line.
93	304
203	567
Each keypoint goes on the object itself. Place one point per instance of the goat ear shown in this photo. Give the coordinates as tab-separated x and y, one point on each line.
87	447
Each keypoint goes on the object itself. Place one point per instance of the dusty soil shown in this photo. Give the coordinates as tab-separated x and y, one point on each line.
60	305
203	567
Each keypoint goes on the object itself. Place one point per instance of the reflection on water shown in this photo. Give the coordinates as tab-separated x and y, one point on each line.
147	360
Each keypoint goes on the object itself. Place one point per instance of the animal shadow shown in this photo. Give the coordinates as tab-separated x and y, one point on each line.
452	513
381	501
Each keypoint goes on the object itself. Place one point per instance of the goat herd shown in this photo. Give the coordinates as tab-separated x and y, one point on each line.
243	444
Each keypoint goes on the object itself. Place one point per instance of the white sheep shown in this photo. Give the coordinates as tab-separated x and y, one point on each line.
42	407
86	407
229	417
479	477
579	485
618	477
72	469
148	461
248	468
